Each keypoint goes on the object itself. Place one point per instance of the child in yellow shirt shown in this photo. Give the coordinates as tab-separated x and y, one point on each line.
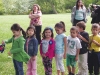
94	50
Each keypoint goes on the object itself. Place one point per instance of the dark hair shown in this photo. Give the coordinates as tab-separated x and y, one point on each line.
95	25
77	6
16	27
74	28
31	27
61	24
81	24
47	28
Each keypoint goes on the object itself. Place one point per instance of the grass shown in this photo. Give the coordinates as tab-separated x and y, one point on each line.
6	65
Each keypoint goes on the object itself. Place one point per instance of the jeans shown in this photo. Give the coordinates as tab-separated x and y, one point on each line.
18	67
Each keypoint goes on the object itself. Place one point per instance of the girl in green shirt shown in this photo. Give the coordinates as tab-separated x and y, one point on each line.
17	49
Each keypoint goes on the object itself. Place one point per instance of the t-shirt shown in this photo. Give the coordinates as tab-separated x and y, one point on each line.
59	46
94	46
83	43
45	44
79	14
72	45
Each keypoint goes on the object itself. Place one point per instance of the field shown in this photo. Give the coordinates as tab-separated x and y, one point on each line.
6	65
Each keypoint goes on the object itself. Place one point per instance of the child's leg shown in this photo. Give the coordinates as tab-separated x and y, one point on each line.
29	68
47	62
59	62
73	70
58	72
90	63
62	73
96	64
16	69
69	69
34	66
19	66
82	64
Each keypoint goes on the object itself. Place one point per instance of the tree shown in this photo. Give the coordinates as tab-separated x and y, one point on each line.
1	8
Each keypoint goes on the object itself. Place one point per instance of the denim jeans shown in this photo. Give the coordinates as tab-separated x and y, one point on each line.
18	67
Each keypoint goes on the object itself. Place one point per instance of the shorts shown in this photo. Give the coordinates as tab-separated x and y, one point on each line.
70	61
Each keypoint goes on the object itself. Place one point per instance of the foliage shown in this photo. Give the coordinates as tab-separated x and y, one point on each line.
47	6
1	8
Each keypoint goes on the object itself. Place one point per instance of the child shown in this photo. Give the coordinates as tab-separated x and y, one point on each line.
17	49
84	39
31	47
47	48
94	50
73	49
60	47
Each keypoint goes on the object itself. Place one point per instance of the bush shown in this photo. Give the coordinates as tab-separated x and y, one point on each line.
1	8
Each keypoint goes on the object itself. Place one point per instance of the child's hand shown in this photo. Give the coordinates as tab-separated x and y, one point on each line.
64	55
33	58
76	58
43	55
94	41
9	53
79	36
3	42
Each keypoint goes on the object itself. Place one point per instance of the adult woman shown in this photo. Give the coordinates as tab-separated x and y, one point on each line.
78	13
35	16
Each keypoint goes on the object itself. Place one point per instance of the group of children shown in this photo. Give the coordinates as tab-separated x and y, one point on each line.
78	46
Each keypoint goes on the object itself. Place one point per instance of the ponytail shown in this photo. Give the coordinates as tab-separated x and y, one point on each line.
24	33
17	27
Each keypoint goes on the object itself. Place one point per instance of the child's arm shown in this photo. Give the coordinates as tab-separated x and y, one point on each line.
8	41
21	43
95	42
85	38
77	54
35	47
65	46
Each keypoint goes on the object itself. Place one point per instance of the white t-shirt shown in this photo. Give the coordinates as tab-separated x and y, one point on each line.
72	45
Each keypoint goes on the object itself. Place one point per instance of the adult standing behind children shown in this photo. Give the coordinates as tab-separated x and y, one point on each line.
35	20
84	39
78	13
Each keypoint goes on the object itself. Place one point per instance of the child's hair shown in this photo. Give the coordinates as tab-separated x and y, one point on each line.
60	25
31	27
74	28
16	27
95	25
81	24
47	28
37	6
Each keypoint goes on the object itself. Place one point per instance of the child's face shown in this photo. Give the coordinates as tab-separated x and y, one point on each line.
35	8
94	31
16	33
30	32
79	29
73	33
59	30
48	33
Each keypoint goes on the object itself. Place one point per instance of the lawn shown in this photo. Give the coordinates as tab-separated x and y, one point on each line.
6	65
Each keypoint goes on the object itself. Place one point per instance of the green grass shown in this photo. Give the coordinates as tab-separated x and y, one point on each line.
6	65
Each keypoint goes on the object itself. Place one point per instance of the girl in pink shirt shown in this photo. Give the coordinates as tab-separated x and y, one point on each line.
35	20
47	47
